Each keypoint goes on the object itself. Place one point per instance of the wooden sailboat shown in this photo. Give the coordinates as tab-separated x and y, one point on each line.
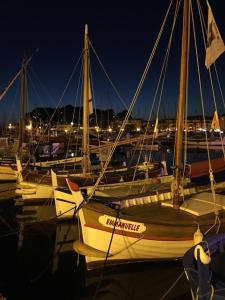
41	187
7	172
8	166
143	229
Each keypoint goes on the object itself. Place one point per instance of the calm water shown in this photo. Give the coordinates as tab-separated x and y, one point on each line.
37	262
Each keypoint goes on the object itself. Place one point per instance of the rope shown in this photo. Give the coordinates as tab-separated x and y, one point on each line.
203	25
93	99
132	103
186	108
206	294
203	110
107	255
104	70
73	117
172	286
57	106
161	81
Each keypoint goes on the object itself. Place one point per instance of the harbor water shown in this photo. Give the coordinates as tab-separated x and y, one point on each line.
37	261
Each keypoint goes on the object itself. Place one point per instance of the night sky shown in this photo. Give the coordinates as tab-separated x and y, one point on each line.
122	33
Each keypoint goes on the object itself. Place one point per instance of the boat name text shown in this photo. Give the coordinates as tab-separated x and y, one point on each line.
122	224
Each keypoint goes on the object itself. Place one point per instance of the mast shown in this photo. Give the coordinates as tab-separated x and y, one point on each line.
23	98
85	141
181	103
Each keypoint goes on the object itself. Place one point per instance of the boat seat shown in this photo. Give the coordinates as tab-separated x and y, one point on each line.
200	204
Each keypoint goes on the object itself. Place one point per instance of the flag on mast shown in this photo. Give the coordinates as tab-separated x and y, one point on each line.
156	130
215	42
215	122
90	104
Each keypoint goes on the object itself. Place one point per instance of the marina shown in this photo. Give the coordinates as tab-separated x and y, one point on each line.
39	248
104	196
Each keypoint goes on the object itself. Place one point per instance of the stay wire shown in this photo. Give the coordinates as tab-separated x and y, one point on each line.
172	286
60	100
107	255
134	99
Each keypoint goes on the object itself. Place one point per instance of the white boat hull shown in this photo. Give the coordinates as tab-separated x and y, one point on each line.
124	248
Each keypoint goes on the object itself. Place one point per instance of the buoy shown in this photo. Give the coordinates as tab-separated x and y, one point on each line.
198	236
204	258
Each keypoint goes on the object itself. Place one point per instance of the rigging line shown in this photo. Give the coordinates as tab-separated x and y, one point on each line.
200	84
221	92
139	86
161	81
112	84
220	88
211	177
9	234
165	64
77	92
214	98
41	84
93	99
218	81
107	254
24	64
133	100
186	106
204	30
27	104
70	133
162	75
172	286
12	109
60	100
38	95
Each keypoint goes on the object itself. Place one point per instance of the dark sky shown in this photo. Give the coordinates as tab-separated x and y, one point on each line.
121	32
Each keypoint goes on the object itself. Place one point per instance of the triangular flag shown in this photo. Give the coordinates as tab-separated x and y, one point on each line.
156	130
90	104
215	45
215	122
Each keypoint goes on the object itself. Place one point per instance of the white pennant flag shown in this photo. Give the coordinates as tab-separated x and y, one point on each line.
156	129
90	101
215	122
215	43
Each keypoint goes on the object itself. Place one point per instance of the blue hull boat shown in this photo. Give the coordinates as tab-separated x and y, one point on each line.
204	266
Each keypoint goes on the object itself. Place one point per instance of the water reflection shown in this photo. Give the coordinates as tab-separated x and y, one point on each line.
38	262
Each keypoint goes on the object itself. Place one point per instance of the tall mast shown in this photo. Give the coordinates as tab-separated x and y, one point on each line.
23	98
85	145
181	103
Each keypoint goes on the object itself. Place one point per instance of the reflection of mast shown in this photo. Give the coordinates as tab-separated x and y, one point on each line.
23	98
86	96
181	102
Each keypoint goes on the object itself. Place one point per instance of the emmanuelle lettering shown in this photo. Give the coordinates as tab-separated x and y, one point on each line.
123	225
